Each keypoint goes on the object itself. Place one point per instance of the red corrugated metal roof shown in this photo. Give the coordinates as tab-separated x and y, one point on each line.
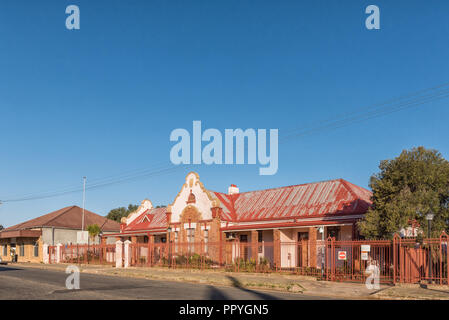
317	199
154	218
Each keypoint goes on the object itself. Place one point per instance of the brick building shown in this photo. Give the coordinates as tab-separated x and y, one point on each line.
225	224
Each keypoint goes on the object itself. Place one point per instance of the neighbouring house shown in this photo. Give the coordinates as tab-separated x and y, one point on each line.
258	219
26	239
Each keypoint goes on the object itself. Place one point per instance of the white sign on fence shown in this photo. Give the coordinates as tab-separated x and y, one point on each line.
82	237
365	248
341	255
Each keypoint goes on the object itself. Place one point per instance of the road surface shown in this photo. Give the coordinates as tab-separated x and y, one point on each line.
18	282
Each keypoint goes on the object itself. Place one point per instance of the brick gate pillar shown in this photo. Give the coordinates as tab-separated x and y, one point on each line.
254	243
215	235
312	247
150	247
277	248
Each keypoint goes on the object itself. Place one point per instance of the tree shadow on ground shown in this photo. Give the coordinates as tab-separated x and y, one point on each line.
237	284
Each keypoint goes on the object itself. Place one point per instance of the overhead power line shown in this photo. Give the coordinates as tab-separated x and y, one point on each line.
397	104
98	185
374	112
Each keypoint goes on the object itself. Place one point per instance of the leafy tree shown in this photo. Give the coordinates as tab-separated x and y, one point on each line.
94	230
118	213
407	188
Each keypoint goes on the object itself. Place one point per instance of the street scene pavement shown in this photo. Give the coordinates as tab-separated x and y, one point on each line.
18	282
43	281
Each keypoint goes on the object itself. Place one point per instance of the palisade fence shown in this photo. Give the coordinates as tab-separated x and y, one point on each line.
84	254
398	260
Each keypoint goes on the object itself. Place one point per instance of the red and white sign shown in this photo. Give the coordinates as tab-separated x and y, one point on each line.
341	255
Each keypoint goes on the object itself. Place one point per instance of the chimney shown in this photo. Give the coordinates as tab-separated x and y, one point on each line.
233	189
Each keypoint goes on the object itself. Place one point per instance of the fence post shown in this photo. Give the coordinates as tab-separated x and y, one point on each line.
100	250
127	253
58	252
118	254
395	260
45	256
444	235
334	265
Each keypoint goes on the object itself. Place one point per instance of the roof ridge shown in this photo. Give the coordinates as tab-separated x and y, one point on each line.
357	186
344	183
64	212
293	185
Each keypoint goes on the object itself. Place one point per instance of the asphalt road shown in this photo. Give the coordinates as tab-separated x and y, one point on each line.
33	283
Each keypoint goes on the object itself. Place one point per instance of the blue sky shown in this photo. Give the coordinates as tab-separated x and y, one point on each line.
103	100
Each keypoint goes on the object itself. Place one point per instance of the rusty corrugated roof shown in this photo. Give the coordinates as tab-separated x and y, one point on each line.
317	199
154	218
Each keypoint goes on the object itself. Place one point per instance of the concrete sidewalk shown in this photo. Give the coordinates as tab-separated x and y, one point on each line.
270	281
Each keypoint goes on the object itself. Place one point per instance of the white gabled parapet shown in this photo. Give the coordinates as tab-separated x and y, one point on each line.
144	206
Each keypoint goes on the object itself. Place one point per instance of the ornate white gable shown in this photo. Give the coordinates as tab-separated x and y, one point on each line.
202	200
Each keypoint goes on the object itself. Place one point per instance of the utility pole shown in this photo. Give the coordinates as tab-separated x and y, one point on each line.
84	201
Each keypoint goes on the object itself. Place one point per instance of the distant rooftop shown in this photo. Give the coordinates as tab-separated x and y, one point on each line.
67	218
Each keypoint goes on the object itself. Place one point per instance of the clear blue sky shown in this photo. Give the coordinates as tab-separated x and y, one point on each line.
103	100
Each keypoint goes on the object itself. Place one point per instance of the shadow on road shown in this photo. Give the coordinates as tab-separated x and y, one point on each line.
216	294
8	269
106	288
236	283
